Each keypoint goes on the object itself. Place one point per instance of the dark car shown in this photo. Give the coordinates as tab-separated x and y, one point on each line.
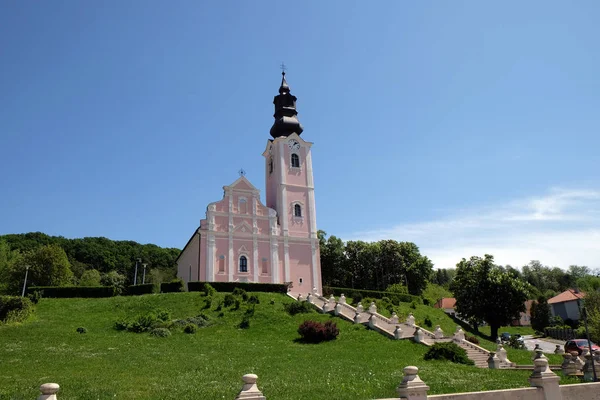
579	345
505	336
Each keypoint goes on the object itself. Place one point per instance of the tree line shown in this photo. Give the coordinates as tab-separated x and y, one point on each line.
58	261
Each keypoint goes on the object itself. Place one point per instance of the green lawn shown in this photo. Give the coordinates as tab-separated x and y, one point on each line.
105	363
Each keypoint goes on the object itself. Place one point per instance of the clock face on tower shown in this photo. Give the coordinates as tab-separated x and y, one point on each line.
293	144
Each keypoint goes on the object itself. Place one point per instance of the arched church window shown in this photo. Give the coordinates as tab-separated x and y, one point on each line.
242	206
243	264
295	161
297	210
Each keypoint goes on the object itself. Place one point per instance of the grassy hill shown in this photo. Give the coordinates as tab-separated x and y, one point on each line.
105	363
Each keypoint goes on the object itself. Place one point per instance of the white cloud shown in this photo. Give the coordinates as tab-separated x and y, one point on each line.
560	228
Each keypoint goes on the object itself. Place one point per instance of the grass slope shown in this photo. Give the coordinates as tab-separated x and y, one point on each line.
105	363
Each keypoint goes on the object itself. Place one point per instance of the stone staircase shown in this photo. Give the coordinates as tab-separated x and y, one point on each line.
397	330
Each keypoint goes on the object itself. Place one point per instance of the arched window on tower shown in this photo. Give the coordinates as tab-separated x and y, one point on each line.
243	264
297	210
295	161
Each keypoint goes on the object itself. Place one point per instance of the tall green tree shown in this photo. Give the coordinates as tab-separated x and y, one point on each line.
487	292
333	272
540	314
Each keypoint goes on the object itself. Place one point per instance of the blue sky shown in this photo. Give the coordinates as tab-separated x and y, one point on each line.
466	127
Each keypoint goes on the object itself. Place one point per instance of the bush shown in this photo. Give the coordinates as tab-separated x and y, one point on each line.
448	351
15	309
272	302
413	305
190	328
229	300
121	325
219	306
208	290
237	304
428	322
515	344
253	299
249	311
144	288
208	302
160	332
240	292
316	332
298	307
231	286
145	322
74	291
174	286
113	280
472	339
35	296
81	329
245	324
357	297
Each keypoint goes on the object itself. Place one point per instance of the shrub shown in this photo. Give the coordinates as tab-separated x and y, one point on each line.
208	302
428	322
81	329
75	291
35	296
190	328
448	351
245	324
249	311
144	288
111	279
176	285
253	299
356	298
229	300
249	287
208	290
413	305
221	314
515	344
299	307
219	306
121	325
15	309
162	314
272	302
240	292
426	302
160	332
472	339
316	332
395	297
143	323
200	321
237	304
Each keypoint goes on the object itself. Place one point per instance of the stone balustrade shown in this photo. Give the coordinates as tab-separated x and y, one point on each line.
544	386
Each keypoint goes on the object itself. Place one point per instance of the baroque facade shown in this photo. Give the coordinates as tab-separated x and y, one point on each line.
243	240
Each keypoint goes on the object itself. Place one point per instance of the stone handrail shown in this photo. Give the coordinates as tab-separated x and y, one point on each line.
474	346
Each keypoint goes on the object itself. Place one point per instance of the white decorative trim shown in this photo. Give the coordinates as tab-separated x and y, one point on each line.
282	205
316	281
275	263
230	259
286	260
311	196
210	259
255	259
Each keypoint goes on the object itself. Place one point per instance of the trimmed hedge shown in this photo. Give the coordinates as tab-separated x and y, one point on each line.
73	291
172	287
394	297
144	288
15	309
230	286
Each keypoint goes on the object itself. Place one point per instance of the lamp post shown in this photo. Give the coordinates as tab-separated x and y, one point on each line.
139	260
25	282
144	277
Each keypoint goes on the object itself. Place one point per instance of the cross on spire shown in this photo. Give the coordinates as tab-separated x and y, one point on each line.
283	68
242	172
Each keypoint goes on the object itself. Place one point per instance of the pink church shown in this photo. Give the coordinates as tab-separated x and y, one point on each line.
243	240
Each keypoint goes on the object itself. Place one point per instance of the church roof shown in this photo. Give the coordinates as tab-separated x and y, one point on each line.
286	116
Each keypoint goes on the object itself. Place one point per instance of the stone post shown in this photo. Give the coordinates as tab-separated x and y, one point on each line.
398	333
394	319
250	390
331	299
342	299
459	335
410	320
326	307
498	340
372	308
418	337
357	317
577	361
501	352
300	298
359	307
493	361
568	367
49	391
314	291
372	321
538	353
438	333
559	349
309	298
588	371
338	309
545	379
412	387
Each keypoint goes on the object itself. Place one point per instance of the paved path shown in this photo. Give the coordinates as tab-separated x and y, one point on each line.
547	346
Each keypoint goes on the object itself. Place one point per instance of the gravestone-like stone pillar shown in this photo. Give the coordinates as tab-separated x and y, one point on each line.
394	319
438	333
372	308
545	379
412	387
342	299
501	353
249	389
459	335
357	318
338	309
410	320
418	336
493	361
359	308
49	391
398	333
559	349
